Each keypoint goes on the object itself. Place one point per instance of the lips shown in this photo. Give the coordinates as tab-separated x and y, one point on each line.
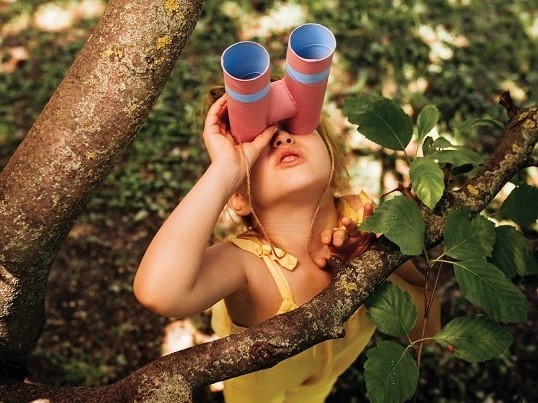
288	157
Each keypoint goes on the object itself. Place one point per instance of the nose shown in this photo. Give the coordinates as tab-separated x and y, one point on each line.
282	138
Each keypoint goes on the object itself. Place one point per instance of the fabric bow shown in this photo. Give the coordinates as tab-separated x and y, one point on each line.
284	259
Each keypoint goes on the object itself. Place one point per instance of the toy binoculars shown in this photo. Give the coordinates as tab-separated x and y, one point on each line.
254	102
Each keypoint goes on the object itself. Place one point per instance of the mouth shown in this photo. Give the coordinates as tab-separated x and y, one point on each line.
289	157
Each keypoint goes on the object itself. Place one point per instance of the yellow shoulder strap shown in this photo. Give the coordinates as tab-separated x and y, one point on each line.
275	259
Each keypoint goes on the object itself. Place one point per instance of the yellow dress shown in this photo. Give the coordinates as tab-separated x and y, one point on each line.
306	377
309	376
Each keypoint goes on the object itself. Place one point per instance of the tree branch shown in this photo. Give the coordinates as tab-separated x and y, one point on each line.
288	334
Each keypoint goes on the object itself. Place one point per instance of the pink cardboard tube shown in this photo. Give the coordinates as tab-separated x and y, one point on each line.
308	62
254	103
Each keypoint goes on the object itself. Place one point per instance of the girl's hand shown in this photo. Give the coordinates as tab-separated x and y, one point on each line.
347	242
222	146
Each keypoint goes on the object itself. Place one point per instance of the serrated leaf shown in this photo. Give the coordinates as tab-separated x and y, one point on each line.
475	338
457	157
399	219
427	180
485	285
426	121
468	125
468	238
392	310
381	121
512	253
444	152
521	205
390	372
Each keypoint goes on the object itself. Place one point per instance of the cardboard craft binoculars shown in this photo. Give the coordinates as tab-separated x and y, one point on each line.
254	102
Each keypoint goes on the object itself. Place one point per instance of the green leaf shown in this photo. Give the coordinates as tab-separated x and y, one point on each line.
381	121
521	205
390	372
475	338
457	157
444	152
427	146
442	143
468	238
468	125
426	121
512	253
392	310
399	219
485	285
360	103
427	180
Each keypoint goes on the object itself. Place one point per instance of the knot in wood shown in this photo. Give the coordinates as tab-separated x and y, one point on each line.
261	352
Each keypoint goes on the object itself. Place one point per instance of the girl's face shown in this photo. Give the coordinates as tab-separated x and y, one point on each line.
291	168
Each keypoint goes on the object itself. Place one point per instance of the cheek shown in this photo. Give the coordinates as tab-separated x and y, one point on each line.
257	172
324	161
258	176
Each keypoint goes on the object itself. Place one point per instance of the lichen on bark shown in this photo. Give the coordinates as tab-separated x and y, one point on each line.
73	145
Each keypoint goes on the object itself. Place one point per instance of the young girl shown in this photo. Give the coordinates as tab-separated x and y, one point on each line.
278	264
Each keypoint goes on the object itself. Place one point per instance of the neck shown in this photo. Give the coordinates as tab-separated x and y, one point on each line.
297	227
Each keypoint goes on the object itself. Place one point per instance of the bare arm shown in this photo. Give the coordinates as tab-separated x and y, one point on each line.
175	277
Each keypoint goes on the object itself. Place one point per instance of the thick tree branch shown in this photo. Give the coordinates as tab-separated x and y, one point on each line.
288	334
87	124
513	153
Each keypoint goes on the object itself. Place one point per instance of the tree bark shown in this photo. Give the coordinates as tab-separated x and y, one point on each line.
76	141
87	124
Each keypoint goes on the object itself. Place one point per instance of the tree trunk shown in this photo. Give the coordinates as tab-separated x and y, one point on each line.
76	141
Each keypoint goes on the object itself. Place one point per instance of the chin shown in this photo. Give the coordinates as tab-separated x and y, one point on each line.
295	192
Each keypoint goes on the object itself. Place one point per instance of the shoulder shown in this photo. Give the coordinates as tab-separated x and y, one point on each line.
225	265
223	249
227	254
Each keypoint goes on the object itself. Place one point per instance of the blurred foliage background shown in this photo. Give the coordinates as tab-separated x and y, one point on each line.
457	54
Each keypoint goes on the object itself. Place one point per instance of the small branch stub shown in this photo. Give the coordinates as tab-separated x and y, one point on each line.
505	100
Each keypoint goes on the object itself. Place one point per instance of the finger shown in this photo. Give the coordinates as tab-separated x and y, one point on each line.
231	138
222	105
327	236
214	118
368	211
340	236
351	226
261	141
321	262
217	109
219	103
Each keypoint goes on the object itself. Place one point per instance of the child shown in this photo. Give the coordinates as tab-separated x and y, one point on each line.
278	264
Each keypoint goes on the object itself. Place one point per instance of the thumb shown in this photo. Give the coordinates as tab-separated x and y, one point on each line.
261	141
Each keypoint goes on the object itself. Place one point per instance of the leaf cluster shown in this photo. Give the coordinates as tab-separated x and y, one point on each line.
485	257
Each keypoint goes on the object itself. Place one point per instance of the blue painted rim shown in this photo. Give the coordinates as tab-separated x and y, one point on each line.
245	60
312	41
